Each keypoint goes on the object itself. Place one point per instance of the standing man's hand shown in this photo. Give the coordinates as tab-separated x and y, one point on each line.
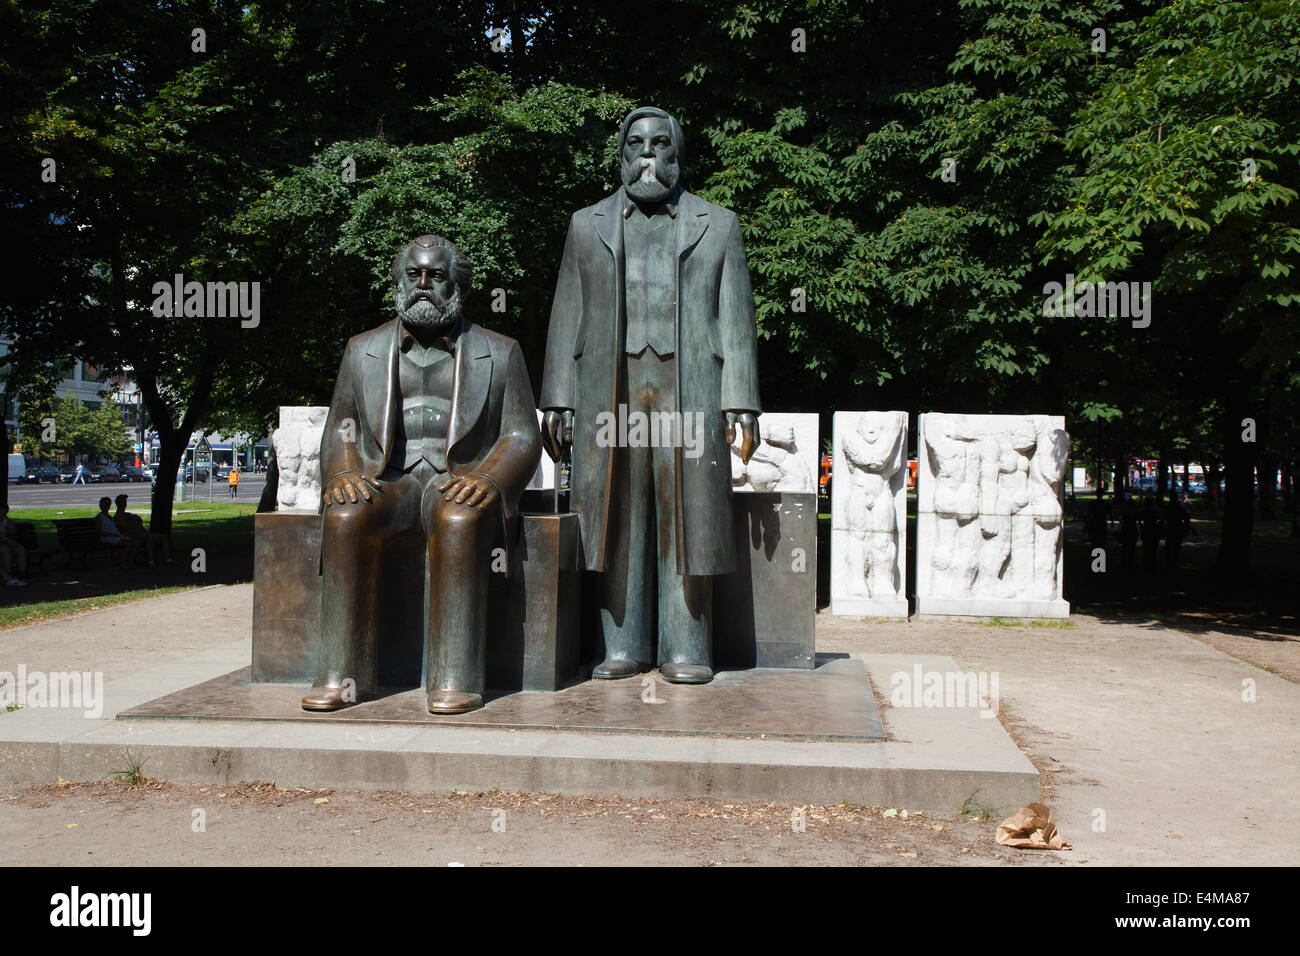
557	432
749	435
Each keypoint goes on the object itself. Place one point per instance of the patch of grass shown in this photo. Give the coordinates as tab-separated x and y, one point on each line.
970	808
43	611
130	773
223	529
1031	622
1159	617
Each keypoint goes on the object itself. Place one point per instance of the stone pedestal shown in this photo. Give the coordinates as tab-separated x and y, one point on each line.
533	625
989	518
532	640
869	515
286	596
763	614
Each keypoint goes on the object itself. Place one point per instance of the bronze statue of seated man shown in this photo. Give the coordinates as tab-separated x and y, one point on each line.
432	432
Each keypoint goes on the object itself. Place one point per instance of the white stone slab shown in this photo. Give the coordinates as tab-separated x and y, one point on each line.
785	460
869	514
989	518
297	457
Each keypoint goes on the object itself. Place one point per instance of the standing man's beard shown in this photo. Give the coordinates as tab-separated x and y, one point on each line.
648	180
428	310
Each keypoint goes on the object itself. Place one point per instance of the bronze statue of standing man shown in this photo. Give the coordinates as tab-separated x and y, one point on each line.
651	367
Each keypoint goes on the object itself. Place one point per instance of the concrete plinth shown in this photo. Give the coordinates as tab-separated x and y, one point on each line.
934	757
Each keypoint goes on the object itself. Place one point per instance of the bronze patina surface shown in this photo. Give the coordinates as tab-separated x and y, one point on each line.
653	321
431	438
832	702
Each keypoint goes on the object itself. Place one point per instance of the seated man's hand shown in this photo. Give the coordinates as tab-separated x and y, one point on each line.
351	486
472	491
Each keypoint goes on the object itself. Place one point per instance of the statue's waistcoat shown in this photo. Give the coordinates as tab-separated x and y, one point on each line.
650	256
426	382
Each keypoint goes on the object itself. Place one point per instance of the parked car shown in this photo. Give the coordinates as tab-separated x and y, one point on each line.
42	474
67	473
106	473
131	473
17	468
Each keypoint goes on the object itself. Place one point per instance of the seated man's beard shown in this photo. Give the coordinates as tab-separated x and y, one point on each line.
428	310
648	180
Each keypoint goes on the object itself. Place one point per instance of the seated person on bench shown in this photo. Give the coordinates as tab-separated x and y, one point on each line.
133	527
12	553
108	533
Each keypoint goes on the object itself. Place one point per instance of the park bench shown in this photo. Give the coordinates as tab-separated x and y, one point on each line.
78	536
36	555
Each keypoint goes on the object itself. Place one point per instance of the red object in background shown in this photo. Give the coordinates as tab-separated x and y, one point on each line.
826	470
911	473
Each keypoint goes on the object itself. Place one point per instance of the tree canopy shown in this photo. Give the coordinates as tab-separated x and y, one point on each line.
909	178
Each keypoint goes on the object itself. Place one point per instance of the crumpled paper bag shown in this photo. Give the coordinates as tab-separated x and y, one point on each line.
1031	828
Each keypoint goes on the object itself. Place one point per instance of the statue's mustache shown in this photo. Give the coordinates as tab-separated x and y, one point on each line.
421	295
649	170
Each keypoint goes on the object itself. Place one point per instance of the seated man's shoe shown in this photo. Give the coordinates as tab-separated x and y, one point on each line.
613	669
325	698
686	673
453	702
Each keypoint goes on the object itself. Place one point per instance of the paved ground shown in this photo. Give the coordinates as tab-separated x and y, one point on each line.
1140	726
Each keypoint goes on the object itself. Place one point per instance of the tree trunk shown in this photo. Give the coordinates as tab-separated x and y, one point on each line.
174	439
1233	563
171	449
1267	486
1213	482
1295	498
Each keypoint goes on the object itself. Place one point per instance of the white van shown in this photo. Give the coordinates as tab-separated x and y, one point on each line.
17	467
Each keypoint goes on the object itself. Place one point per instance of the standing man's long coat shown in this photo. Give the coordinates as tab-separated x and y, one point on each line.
716	358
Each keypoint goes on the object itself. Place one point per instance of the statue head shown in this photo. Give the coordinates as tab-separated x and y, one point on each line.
877	427
651	148
432	277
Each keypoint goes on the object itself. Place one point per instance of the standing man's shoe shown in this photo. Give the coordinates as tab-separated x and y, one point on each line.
615	669
453	702
686	673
